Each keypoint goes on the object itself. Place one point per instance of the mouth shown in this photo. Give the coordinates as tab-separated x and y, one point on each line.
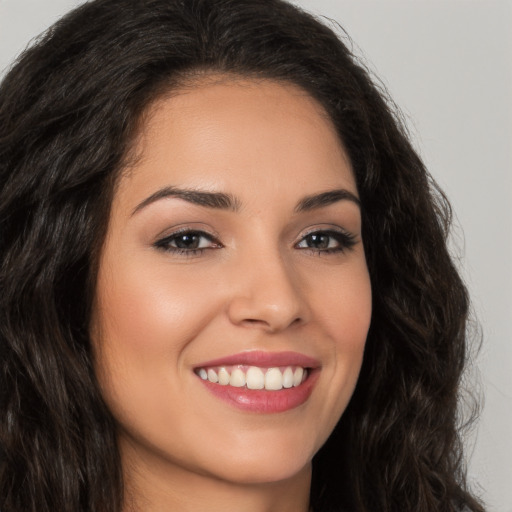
255	377
260	381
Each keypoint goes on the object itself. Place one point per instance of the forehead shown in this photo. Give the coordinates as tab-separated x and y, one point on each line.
222	132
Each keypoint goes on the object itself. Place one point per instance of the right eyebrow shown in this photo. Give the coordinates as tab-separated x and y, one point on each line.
325	199
217	200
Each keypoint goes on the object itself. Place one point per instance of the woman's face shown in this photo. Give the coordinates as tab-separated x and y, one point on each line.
233	254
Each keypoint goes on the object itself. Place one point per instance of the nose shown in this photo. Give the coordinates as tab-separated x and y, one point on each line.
267	294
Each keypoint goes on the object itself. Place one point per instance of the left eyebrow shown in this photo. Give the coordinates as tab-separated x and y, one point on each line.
325	199
217	200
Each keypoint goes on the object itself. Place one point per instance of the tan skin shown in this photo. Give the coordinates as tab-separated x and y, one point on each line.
182	283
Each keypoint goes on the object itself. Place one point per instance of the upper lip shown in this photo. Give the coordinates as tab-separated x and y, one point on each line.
264	359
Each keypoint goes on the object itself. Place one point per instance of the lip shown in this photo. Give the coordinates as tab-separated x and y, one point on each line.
264	401
264	359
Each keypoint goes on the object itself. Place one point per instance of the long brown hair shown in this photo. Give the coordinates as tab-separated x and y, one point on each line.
69	109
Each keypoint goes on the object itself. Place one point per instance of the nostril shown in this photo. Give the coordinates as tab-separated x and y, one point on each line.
271	325
253	322
267	308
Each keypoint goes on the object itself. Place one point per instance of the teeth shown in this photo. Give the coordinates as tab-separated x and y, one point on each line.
271	379
288	378
223	377
212	376
255	378
237	378
297	376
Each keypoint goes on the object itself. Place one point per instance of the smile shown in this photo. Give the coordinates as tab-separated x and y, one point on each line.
261	382
255	377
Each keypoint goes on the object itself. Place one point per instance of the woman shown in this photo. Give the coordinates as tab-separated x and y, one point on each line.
224	273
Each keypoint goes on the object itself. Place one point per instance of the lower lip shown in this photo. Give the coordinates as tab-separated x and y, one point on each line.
261	400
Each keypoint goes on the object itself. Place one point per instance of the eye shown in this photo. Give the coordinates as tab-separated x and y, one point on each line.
327	241
187	242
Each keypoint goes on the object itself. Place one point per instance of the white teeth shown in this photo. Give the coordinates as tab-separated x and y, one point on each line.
288	378
237	378
273	379
297	376
255	378
223	376
212	376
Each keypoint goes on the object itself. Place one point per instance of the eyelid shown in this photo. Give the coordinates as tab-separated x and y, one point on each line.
163	242
327	228
187	227
346	239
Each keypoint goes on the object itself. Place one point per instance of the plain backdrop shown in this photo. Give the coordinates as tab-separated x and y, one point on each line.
448	65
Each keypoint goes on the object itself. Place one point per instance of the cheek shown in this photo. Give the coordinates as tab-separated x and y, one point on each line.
144	321
344	306
145	318
143	307
344	311
351	324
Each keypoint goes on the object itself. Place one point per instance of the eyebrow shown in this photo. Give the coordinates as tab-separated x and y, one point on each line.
217	200
325	199
222	201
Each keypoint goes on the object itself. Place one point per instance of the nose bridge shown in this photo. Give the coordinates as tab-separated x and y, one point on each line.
267	292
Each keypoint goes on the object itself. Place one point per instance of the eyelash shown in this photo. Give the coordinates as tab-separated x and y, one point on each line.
344	241
164	243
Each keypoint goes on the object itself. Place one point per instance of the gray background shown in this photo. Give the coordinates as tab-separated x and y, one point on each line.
448	64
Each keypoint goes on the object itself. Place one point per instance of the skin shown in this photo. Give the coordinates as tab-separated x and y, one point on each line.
258	284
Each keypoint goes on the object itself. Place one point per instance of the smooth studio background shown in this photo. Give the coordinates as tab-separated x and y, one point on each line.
448	65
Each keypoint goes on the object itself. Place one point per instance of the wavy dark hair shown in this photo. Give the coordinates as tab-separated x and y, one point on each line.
70	108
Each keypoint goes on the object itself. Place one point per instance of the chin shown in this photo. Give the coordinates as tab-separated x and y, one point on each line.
265	472
264	459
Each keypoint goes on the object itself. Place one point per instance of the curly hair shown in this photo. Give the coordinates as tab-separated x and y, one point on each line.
69	111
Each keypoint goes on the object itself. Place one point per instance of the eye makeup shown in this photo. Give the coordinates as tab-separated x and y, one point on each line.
193	242
327	241
188	242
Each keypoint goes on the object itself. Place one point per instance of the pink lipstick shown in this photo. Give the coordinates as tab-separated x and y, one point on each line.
263	382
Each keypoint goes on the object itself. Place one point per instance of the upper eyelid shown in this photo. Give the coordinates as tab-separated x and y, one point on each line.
328	229
214	237
165	241
187	229
347	240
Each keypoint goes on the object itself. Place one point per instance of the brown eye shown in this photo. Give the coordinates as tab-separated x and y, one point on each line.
319	241
327	241
187	241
